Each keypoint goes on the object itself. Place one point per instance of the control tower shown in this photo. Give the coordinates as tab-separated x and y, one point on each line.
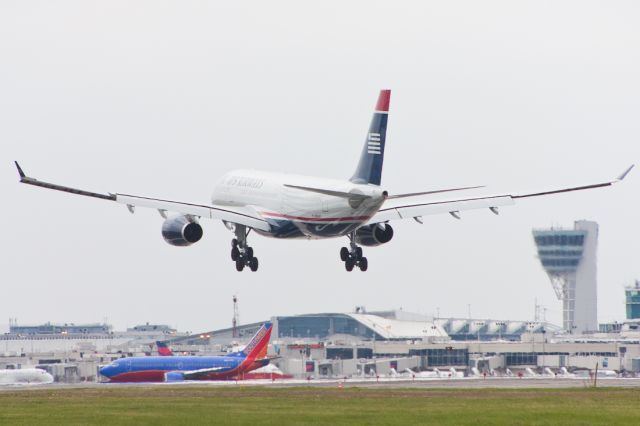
632	300
569	258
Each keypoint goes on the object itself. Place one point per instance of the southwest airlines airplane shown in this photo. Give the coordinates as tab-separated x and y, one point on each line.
289	206
179	368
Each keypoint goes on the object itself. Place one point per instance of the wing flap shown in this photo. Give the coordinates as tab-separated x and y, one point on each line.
438	207
242	215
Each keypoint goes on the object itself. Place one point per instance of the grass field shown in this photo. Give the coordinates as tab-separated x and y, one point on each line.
181	405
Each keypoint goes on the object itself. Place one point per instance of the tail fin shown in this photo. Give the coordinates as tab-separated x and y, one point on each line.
163	349
370	166
257	347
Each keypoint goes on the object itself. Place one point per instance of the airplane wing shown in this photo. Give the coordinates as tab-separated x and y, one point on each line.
391	211
239	215
199	374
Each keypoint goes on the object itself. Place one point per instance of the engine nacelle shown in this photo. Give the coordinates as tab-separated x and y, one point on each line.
180	231
173	376
374	235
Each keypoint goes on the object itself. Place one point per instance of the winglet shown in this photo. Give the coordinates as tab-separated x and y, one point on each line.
22	175
622	176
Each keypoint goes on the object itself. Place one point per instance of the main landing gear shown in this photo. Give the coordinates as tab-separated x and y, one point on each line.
241	253
352	256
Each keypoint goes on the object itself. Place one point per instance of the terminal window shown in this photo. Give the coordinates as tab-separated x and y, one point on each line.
560	240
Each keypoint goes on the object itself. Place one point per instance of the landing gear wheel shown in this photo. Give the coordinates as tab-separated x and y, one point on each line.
253	264
239	264
344	254
349	264
234	242
249	252
358	253
363	264
235	253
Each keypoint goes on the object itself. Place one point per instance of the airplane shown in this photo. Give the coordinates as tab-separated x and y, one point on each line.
180	368
269	371
424	374
565	373
25	376
285	206
164	349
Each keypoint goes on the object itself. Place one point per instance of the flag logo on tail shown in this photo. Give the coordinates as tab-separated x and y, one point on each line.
373	143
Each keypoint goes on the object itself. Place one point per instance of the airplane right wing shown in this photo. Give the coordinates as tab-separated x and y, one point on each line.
391	211
239	215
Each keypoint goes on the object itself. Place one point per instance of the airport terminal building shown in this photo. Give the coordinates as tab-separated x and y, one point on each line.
358	343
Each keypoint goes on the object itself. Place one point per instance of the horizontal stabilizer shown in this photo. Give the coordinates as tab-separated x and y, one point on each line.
340	194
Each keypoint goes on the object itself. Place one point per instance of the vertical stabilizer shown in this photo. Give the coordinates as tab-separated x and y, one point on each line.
369	169
259	342
164	349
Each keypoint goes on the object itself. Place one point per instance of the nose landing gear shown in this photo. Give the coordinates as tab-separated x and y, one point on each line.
241	253
352	256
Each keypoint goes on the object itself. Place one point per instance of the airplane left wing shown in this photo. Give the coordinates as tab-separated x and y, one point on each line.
199	374
415	210
240	215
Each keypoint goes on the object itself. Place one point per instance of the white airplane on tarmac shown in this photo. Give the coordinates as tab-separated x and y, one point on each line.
289	206
24	376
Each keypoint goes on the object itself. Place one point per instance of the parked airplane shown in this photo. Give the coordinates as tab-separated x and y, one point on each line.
289	206
565	373
424	374
530	373
164	349
25	376
179	368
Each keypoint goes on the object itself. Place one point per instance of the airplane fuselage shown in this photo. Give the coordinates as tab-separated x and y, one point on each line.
170	368
25	375
297	213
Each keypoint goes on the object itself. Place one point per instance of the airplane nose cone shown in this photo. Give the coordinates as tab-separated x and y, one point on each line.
106	370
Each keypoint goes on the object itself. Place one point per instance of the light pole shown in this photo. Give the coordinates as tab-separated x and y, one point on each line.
544	354
530	325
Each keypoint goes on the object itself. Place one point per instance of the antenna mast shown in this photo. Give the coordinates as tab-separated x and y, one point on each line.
236	316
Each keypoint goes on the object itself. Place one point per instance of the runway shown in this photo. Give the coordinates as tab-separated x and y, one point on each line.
400	383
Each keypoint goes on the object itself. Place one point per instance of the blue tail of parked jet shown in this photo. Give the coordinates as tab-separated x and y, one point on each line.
370	166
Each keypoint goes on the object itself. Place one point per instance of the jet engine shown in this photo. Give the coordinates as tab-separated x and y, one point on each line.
374	235
173	376
180	231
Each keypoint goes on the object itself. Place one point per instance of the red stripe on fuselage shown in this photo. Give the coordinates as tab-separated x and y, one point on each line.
140	376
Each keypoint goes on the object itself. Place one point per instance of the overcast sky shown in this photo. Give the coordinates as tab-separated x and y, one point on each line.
161	98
